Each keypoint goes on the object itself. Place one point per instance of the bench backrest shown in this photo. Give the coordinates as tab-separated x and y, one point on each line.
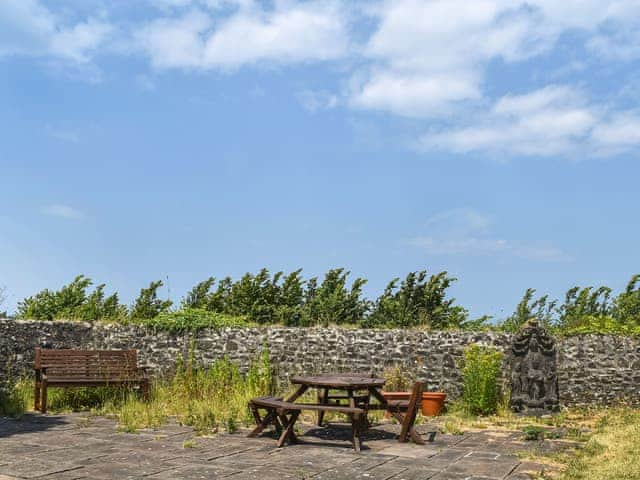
87	364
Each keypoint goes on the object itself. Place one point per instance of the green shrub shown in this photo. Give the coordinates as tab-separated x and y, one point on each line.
148	305
72	302
480	374
419	300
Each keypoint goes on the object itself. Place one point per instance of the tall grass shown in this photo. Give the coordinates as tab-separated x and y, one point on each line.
480	375
613	450
210	398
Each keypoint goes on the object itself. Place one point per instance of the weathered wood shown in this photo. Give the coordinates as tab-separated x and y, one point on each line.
339	381
86	368
405	411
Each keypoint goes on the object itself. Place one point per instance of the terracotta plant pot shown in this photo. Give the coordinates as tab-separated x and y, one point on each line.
432	403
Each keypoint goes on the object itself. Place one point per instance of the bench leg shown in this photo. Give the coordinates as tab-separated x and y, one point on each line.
288	431
43	402
36	396
145	388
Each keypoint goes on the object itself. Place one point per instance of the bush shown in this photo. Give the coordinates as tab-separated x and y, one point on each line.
72	302
481	368
419	300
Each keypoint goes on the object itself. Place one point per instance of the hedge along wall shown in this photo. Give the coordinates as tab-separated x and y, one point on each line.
592	369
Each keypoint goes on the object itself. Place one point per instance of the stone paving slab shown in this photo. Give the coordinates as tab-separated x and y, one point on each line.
74	447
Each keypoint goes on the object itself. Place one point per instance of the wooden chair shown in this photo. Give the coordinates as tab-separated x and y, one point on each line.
405	412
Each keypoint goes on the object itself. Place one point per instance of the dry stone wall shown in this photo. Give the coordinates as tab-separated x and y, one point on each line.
592	369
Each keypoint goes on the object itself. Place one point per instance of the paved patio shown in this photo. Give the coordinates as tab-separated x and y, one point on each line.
79	447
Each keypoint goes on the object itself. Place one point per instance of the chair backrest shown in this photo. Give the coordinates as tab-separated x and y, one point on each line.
87	364
412	410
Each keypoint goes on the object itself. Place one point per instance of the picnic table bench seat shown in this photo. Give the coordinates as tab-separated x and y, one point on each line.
86	368
283	416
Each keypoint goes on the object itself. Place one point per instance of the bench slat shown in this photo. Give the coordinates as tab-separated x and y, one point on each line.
270	402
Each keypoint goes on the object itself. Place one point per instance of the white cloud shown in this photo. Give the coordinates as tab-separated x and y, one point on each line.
555	120
467	232
62	211
310	31
29	28
428	58
315	101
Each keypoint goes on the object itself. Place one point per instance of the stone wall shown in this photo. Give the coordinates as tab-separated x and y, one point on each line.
591	368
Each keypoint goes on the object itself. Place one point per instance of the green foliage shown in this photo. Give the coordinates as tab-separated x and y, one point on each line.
73	302
419	300
14	398
208	399
480	375
626	308
148	305
584	303
540	309
584	310
533	432
333	302
191	319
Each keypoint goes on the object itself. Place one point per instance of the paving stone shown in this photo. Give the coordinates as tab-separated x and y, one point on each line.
195	472
416	474
496	469
74	447
31	468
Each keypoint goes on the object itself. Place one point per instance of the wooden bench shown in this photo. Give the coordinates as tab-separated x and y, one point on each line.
283	416
86	368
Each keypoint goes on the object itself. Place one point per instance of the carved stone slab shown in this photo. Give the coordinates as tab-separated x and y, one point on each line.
534	379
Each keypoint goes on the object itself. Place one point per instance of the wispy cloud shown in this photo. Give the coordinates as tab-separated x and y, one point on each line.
467	232
63	134
315	101
554	120
62	211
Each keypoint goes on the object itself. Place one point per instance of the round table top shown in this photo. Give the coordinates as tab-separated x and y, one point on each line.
338	380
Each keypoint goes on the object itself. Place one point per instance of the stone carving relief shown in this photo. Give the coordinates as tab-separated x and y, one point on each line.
534	379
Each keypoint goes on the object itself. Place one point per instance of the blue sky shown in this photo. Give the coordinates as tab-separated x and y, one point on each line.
177	139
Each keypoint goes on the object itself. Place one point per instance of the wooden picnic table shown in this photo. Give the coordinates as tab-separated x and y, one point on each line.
356	389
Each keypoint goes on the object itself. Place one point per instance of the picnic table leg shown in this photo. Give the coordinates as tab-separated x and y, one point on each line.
356	440
262	423
323	399
288	431
297	394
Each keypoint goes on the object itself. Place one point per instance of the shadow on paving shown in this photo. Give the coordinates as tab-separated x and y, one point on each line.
32	423
75	447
